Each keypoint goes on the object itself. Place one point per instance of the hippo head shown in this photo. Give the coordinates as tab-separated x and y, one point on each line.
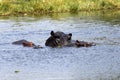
58	39
84	44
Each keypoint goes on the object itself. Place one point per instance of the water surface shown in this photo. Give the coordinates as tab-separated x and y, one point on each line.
100	62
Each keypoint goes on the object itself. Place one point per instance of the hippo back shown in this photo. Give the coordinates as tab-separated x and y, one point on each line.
20	42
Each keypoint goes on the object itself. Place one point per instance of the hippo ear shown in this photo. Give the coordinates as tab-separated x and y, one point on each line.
70	34
52	33
77	41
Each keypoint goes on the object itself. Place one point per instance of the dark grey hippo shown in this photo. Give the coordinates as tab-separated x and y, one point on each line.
77	43
58	39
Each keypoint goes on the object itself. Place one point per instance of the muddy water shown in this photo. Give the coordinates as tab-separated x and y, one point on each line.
100	62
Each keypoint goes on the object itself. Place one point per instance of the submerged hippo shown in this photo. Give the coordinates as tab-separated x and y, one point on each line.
26	43
58	39
84	44
77	43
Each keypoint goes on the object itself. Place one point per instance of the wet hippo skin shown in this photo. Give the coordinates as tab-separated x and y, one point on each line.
26	43
58	39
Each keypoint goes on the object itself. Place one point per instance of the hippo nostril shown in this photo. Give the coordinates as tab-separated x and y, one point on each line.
58	41
37	47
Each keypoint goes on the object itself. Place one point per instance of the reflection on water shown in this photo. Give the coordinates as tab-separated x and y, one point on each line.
100	62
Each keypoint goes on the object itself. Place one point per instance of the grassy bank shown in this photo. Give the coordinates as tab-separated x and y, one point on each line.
35	7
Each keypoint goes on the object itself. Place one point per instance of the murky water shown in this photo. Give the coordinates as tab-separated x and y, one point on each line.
100	62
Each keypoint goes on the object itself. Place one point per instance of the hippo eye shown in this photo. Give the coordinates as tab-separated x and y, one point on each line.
69	37
57	36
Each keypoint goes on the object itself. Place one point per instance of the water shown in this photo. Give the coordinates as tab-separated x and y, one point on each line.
100	62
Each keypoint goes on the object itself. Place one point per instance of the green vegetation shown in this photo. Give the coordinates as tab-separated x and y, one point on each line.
35	7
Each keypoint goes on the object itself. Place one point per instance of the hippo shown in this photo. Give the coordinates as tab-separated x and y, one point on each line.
26	43
77	43
58	39
84	44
